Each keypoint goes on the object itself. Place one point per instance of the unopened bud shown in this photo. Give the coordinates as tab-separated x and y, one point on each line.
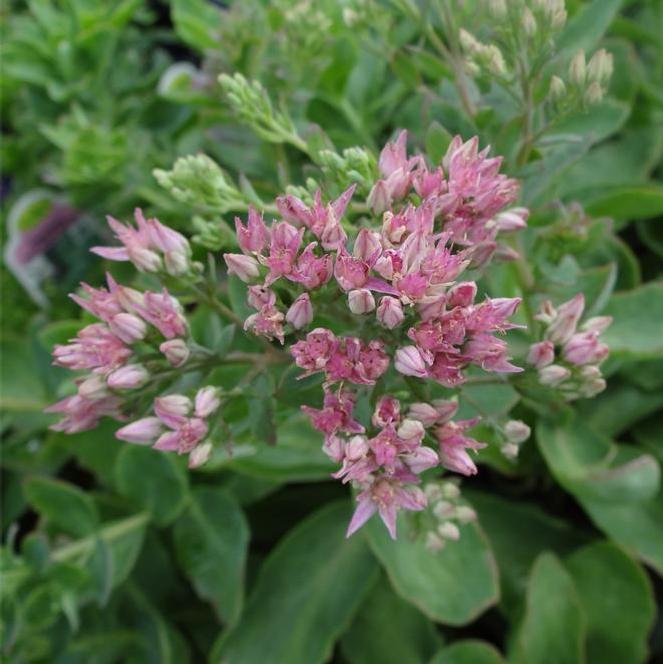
434	543
390	312
516	431
449	530
361	301
495	60
245	267
128	327
593	94
557	90
207	401
553	375
176	352
497	9
528	23
541	354
443	510
128	377
600	67
510	450
578	69
465	514
468	42
200	454
450	490
411	429
356	448
300	313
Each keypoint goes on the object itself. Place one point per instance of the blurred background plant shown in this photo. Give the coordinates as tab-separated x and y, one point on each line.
107	106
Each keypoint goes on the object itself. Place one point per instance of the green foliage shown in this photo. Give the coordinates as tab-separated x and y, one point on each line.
194	111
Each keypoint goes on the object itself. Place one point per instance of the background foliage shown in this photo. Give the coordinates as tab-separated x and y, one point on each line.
113	552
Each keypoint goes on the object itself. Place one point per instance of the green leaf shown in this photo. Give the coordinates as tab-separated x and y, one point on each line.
452	586
305	595
617	599
21	388
390	631
437	141
471	651
211	538
153	480
197	23
629	203
64	505
637	322
518	532
553	627
587	27
618	497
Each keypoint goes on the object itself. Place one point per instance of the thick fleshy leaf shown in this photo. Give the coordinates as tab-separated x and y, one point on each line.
638	321
616	488
471	651
65	506
518	532
211	537
153	480
617	599
452	586
553	626
629	203
306	593
389	630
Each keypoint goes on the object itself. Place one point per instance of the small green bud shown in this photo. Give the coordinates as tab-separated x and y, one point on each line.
600	67
557	90
528	23
495	60
497	9
593	94
469	43
578	69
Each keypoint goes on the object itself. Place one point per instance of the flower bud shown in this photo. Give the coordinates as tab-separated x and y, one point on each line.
128	327
176	352
541	354
528	22
593	94
356	448
596	324
411	361
450	490
497	9
468	42
446	409
600	66
449	530
142	432
434	543
593	387
93	387
578	69
200	454
172	409
421	459
144	259
465	514
333	448
510	450
207	401
379	199
462	294
516	431
557	90
300	313
546	313
511	220
361	301
411	430
245	267
566	320
553	375
495	59
128	377
585	348
443	510
424	413
390	312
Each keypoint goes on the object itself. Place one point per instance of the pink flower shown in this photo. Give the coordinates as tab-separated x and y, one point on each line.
336	414
184	438
585	348
81	413
312	271
421	459
260	296
164	312
314	353
141	432
454	445
462	294
447	369
95	348
268	322
207	401
176	352
245	267
514	219
565	321
412	361
361	301
367	246
285	243
490	354
541	354
253	237
385	496
387	410
300	313
128	377
350	272
390	312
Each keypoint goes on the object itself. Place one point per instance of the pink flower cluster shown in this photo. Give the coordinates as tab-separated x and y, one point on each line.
436	223
108	350
178	425
576	372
